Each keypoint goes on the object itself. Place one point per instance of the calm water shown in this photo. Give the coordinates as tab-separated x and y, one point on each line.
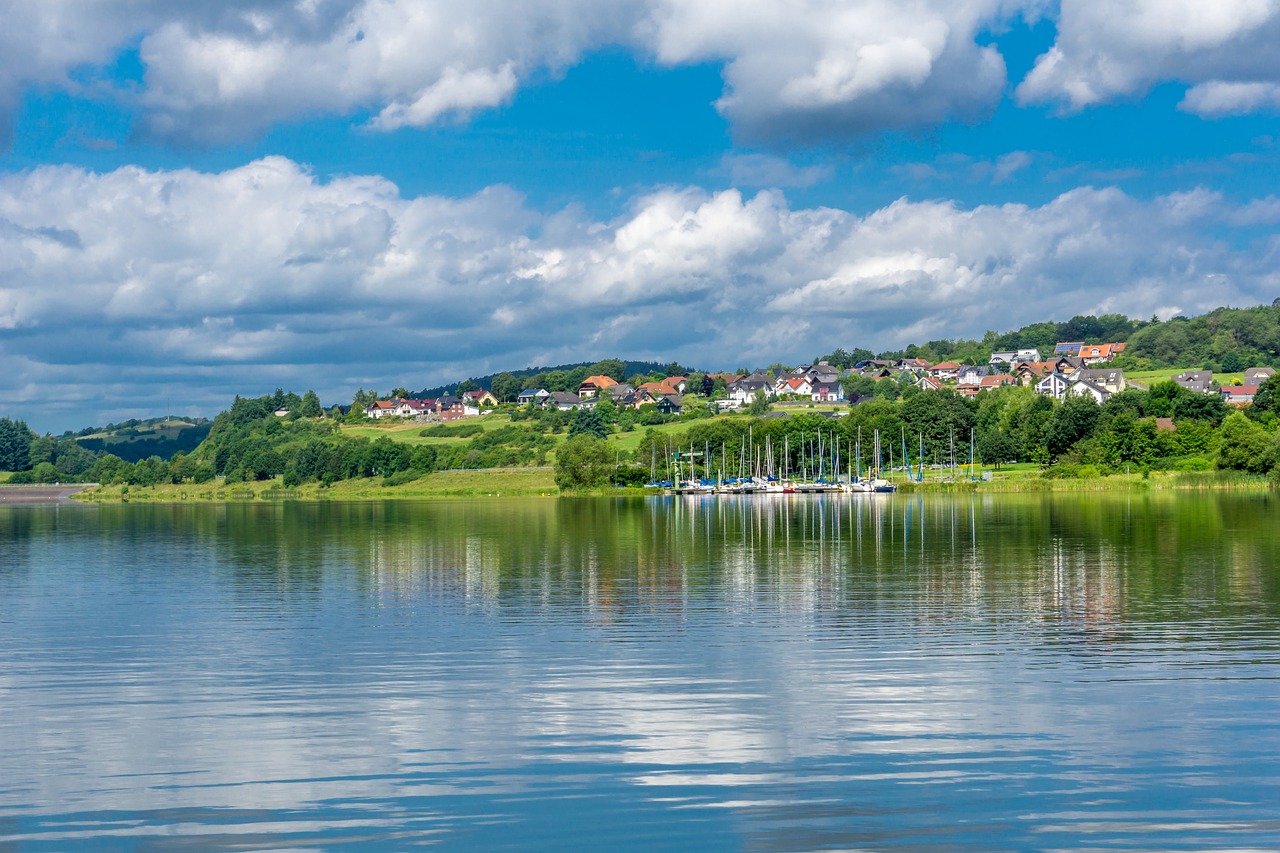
806	673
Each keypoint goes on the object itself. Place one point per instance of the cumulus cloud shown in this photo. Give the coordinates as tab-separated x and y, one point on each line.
137	285
1106	51
808	70
816	69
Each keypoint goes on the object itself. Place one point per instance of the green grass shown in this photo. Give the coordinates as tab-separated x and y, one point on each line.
1147	377
5	475
505	482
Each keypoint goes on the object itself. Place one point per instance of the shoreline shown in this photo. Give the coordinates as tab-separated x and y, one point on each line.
34	495
481	484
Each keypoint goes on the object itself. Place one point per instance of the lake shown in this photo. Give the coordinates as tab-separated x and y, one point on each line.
990	672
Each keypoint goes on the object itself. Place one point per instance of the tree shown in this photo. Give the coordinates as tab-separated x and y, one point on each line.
588	422
583	462
399	393
310	406
614	368
759	404
467	385
506	387
15	444
1265	400
1243	444
996	447
1071	422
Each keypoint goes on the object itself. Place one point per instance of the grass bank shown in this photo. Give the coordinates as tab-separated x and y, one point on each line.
502	482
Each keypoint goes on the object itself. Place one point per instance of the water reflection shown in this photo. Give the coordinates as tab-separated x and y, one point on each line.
986	672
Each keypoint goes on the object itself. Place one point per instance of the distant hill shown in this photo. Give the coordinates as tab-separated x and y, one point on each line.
486	382
136	440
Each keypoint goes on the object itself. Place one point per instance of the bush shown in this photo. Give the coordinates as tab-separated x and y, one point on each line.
399	478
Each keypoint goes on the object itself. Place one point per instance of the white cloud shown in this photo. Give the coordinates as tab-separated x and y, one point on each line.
1108	51
816	69
805	70
266	275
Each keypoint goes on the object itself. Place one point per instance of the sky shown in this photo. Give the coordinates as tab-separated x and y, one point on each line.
205	199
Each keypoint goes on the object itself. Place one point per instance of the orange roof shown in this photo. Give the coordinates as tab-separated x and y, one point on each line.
599	381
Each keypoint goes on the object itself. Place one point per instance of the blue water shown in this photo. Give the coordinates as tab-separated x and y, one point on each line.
994	673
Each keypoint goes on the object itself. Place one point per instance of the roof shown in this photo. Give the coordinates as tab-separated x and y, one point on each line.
600	381
946	365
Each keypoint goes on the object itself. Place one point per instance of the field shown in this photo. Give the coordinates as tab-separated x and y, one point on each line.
1147	377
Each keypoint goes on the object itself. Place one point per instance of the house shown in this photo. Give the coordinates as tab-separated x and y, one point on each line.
281	413
399	408
1009	358
450	408
562	400
929	383
536	396
593	385
479	398
668	404
1238	395
1111	379
827	392
970	375
619	392
744	390
996	380
1099	353
968	389
1068	348
1054	385
915	365
670	385
799	386
381	409
947	371
1031	372
1081	387
1067	364
1258	375
1197	381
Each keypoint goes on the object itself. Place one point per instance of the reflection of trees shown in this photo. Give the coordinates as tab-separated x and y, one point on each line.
1092	560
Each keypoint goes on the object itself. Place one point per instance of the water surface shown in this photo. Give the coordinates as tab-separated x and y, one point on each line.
801	673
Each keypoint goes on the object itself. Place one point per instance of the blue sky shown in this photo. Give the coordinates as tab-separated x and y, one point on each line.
227	197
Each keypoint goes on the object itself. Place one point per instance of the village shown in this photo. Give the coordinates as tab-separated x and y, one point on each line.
1073	368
